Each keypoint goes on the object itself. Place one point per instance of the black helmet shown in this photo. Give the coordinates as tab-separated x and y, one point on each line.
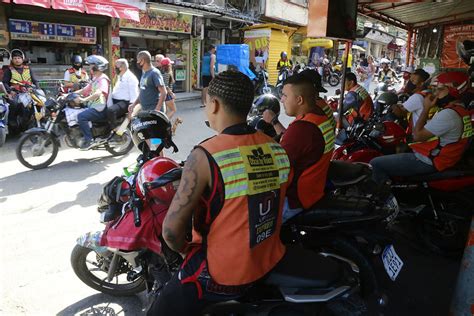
98	62
387	98
17	53
315	78
283	54
259	124
153	126
265	102
76	59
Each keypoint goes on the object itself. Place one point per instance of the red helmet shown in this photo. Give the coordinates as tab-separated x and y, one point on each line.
152	170
455	81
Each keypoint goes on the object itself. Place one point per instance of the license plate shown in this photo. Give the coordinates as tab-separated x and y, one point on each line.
392	262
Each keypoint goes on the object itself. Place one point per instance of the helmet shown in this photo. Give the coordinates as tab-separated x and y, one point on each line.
385	61
283	54
455	81
17	53
259	124
154	169
98	63
315	78
76	59
265	102
387	98
151	130
465	50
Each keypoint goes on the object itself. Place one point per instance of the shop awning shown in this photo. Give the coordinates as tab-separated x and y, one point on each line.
38	3
77	5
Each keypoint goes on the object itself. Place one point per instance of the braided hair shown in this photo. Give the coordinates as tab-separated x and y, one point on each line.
234	89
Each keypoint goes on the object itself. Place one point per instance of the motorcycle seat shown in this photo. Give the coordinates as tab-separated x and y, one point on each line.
302	268
446	174
343	173
331	208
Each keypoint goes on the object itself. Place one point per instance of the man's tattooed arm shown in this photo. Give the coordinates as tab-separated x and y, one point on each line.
195	178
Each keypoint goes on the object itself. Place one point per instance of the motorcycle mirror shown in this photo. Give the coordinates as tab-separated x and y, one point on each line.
338	91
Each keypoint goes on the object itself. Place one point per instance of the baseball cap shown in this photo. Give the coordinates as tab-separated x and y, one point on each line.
166	61
313	76
423	74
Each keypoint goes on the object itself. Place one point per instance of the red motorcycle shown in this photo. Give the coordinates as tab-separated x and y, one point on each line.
441	202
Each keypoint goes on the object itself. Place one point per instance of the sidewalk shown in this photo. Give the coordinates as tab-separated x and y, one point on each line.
186	96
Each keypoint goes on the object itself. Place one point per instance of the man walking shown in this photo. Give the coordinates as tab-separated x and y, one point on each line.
208	71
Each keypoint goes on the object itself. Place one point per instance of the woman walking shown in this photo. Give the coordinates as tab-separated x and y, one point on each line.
370	73
168	80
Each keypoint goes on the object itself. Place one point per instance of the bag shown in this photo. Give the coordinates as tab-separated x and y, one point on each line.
110	201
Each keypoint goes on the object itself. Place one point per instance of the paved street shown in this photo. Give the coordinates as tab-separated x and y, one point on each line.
44	211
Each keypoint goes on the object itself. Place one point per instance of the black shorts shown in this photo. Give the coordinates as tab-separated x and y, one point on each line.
205	81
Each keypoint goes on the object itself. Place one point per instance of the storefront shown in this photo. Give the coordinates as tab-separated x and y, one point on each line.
50	32
161	32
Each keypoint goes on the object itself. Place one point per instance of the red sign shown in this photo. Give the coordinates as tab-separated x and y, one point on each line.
453	35
70	5
114	10
38	3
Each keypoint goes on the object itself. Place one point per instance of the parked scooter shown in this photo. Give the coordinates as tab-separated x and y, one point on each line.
261	83
329	75
39	146
283	74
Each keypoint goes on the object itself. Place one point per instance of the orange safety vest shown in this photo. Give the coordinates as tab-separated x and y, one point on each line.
243	243
448	155
311	183
23	78
74	78
366	107
282	63
322	104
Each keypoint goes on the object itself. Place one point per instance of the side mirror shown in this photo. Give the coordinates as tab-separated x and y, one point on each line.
338	91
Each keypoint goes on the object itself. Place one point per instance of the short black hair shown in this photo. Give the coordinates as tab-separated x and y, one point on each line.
235	90
350	76
211	47
304	87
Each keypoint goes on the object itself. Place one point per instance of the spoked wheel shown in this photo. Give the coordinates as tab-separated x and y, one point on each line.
120	145
92	269
333	80
37	150
447	234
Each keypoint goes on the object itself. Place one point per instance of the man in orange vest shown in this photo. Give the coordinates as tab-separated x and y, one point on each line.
76	74
308	141
17	74
232	188
441	142
358	102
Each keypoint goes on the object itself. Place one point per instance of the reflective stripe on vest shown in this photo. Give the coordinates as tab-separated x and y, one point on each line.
73	76
282	63
312	181
327	110
446	156
243	242
24	77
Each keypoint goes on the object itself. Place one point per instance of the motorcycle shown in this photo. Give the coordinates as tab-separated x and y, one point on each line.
27	107
385	86
283	74
142	261
261	83
438	203
3	120
39	146
330	76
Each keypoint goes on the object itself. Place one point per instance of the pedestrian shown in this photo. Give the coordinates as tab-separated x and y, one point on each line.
370	72
158	59
168	79
152	89
209	69
125	91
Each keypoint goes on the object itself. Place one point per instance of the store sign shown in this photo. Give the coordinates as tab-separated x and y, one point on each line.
51	32
454	34
258	42
69	5
38	3
156	20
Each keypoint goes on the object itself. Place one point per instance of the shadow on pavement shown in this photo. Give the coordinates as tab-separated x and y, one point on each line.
61	172
103	304
83	198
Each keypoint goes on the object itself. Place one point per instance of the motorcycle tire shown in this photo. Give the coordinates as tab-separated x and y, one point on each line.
43	165
334	80
350	306
78	262
3	136
125	150
447	235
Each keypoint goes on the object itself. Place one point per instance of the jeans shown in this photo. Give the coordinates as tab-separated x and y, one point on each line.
90	115
401	165
117	109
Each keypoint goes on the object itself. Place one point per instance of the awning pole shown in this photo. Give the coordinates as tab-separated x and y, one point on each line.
408	56
412	60
343	81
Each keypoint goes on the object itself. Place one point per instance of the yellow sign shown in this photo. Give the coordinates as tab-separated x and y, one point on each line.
261	167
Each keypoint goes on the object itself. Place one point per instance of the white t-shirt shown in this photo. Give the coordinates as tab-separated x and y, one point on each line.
414	105
447	125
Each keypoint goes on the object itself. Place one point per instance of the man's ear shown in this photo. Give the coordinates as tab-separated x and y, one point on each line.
300	100
215	105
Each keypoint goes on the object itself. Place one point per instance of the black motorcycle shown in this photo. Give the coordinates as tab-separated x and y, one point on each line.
283	74
330	76
261	83
39	146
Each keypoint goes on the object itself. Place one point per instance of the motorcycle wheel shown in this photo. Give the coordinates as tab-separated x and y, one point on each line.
86	262
3	136
350	306
124	144
447	235
40	142
334	80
